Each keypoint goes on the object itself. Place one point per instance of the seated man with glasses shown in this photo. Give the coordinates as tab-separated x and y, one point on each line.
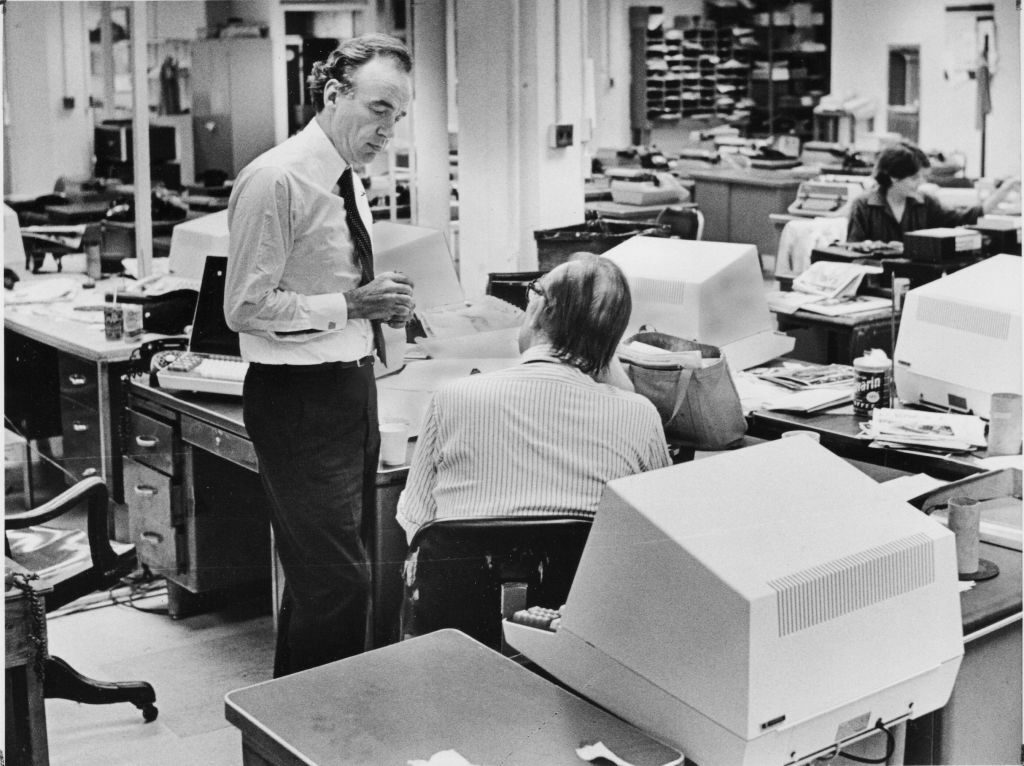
545	436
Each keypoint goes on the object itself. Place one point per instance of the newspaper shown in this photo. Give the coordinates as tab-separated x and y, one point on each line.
804	376
941	431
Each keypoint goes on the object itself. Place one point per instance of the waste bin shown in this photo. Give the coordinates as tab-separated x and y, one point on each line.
554	246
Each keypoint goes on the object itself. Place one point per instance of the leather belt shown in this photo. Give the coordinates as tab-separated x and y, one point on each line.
365	361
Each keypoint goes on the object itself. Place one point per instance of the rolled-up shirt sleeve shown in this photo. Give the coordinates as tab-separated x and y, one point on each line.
260	218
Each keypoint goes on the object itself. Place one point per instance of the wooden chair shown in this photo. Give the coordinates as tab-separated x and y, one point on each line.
74	563
469	573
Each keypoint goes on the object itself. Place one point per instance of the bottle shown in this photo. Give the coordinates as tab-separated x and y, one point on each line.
872	387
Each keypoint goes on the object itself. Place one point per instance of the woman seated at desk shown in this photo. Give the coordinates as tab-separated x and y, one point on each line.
897	205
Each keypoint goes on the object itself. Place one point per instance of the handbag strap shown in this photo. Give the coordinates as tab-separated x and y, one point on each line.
681	388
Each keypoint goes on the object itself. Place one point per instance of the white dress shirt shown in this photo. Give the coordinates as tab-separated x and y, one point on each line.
537	438
291	256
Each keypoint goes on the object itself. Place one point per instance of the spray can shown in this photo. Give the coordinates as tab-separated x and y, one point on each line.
873	384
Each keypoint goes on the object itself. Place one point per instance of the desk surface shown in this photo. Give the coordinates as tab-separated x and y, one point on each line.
779	179
441	691
609	209
56	324
840	431
840	320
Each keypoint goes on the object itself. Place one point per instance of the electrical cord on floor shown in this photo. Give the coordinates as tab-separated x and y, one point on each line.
110	597
143	585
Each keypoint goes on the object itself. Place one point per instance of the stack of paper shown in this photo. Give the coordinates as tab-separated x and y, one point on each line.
828	287
917	429
811	387
807	375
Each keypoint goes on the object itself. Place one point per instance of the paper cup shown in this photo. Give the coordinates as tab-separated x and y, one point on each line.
964	522
1004	426
394	437
813	435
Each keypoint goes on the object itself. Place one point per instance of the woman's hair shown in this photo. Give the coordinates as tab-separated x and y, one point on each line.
898	162
351	55
587	304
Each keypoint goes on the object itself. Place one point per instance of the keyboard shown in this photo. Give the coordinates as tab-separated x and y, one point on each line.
204	373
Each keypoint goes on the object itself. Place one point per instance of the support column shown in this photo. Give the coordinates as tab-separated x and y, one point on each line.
519	70
431	193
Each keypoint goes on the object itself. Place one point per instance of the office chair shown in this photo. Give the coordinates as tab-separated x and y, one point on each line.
75	563
511	286
459	572
683	222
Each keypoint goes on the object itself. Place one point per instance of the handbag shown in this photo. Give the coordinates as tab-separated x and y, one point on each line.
697	400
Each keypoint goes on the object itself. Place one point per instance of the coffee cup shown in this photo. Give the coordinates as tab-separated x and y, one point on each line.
394	438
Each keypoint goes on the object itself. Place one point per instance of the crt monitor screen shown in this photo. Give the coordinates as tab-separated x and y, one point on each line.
113	142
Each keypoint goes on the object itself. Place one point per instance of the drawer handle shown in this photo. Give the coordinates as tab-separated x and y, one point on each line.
79	427
77	380
89	472
147	442
145	490
152	537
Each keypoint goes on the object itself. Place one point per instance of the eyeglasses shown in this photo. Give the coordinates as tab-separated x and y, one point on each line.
534	287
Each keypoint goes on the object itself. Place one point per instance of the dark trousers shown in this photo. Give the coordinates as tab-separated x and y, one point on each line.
315	433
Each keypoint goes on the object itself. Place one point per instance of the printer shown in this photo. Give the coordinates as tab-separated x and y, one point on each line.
959	339
763	606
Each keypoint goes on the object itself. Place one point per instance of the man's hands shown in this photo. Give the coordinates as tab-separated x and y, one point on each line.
387	298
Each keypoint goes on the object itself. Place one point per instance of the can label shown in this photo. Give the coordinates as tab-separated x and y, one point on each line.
871	391
113	322
132	320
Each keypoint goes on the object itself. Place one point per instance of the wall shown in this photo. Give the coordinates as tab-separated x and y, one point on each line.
860	61
45	59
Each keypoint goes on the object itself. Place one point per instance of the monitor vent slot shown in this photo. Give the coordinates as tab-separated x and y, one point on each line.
828	591
972	319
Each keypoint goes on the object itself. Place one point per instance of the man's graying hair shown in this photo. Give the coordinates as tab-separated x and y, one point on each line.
586	309
351	55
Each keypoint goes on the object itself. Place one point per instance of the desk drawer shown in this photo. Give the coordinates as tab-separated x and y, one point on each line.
150	498
150	441
79	379
220	442
83	447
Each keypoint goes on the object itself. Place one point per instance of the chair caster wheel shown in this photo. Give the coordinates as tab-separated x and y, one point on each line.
149	713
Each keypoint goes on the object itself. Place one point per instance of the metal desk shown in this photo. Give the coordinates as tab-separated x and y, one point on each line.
198	509
62	377
441	691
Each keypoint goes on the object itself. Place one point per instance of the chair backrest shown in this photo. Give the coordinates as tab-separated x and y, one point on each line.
456	568
511	286
683	222
70	561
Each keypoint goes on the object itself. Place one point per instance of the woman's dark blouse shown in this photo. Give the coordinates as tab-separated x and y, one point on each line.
871	218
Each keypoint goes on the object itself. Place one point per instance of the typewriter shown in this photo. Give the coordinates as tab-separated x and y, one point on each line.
822	198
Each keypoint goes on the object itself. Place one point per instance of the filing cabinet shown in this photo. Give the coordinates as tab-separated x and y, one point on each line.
196	509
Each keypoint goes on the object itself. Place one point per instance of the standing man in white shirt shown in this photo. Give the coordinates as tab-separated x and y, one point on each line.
302	293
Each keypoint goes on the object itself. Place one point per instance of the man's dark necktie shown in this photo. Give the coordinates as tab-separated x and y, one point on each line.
363	248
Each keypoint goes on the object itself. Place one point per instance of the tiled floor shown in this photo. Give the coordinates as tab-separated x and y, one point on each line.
191	663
